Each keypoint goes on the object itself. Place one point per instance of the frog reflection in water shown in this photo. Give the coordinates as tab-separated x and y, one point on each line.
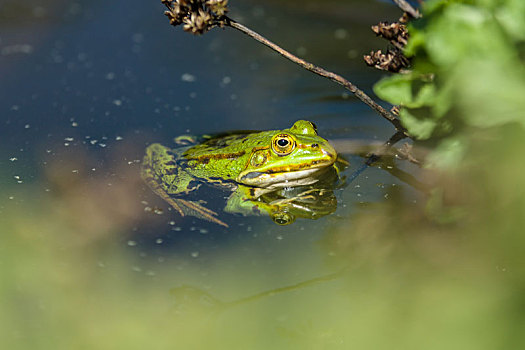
273	172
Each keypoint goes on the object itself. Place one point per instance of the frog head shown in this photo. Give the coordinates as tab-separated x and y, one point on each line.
291	157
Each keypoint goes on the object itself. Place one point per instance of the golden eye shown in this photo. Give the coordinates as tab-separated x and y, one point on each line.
283	144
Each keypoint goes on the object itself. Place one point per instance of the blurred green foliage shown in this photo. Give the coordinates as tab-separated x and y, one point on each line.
468	73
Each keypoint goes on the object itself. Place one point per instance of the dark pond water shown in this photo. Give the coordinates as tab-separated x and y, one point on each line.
85	86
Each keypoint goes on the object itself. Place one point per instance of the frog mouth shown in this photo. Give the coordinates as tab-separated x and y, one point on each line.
286	176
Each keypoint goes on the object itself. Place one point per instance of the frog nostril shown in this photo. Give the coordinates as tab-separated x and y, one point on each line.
315	145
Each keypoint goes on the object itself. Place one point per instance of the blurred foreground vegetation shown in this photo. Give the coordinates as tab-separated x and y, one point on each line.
448	273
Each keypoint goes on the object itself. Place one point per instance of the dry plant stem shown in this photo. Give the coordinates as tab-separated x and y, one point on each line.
374	157
322	72
405	6
299	285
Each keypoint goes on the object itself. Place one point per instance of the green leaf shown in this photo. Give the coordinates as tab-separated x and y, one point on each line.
448	155
419	128
396	89
407	90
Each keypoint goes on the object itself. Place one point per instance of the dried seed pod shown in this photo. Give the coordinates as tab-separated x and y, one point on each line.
196	16
392	60
219	7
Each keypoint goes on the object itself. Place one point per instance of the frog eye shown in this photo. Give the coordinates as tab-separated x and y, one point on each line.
283	144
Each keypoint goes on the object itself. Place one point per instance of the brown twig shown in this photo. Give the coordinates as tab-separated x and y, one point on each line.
374	157
361	95
199	16
405	6
188	293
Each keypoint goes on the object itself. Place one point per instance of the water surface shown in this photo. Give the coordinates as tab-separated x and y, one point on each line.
86	86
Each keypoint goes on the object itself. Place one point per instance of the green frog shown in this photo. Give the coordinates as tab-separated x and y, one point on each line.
259	168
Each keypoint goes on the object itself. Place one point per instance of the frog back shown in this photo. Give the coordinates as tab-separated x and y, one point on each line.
225	157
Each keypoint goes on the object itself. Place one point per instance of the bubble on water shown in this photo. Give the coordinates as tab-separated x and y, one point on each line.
13	159
132	243
138	38
17	49
39	11
340	33
194	254
187	77
158	211
352	54
159	241
258	11
117	102
110	76
301	51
